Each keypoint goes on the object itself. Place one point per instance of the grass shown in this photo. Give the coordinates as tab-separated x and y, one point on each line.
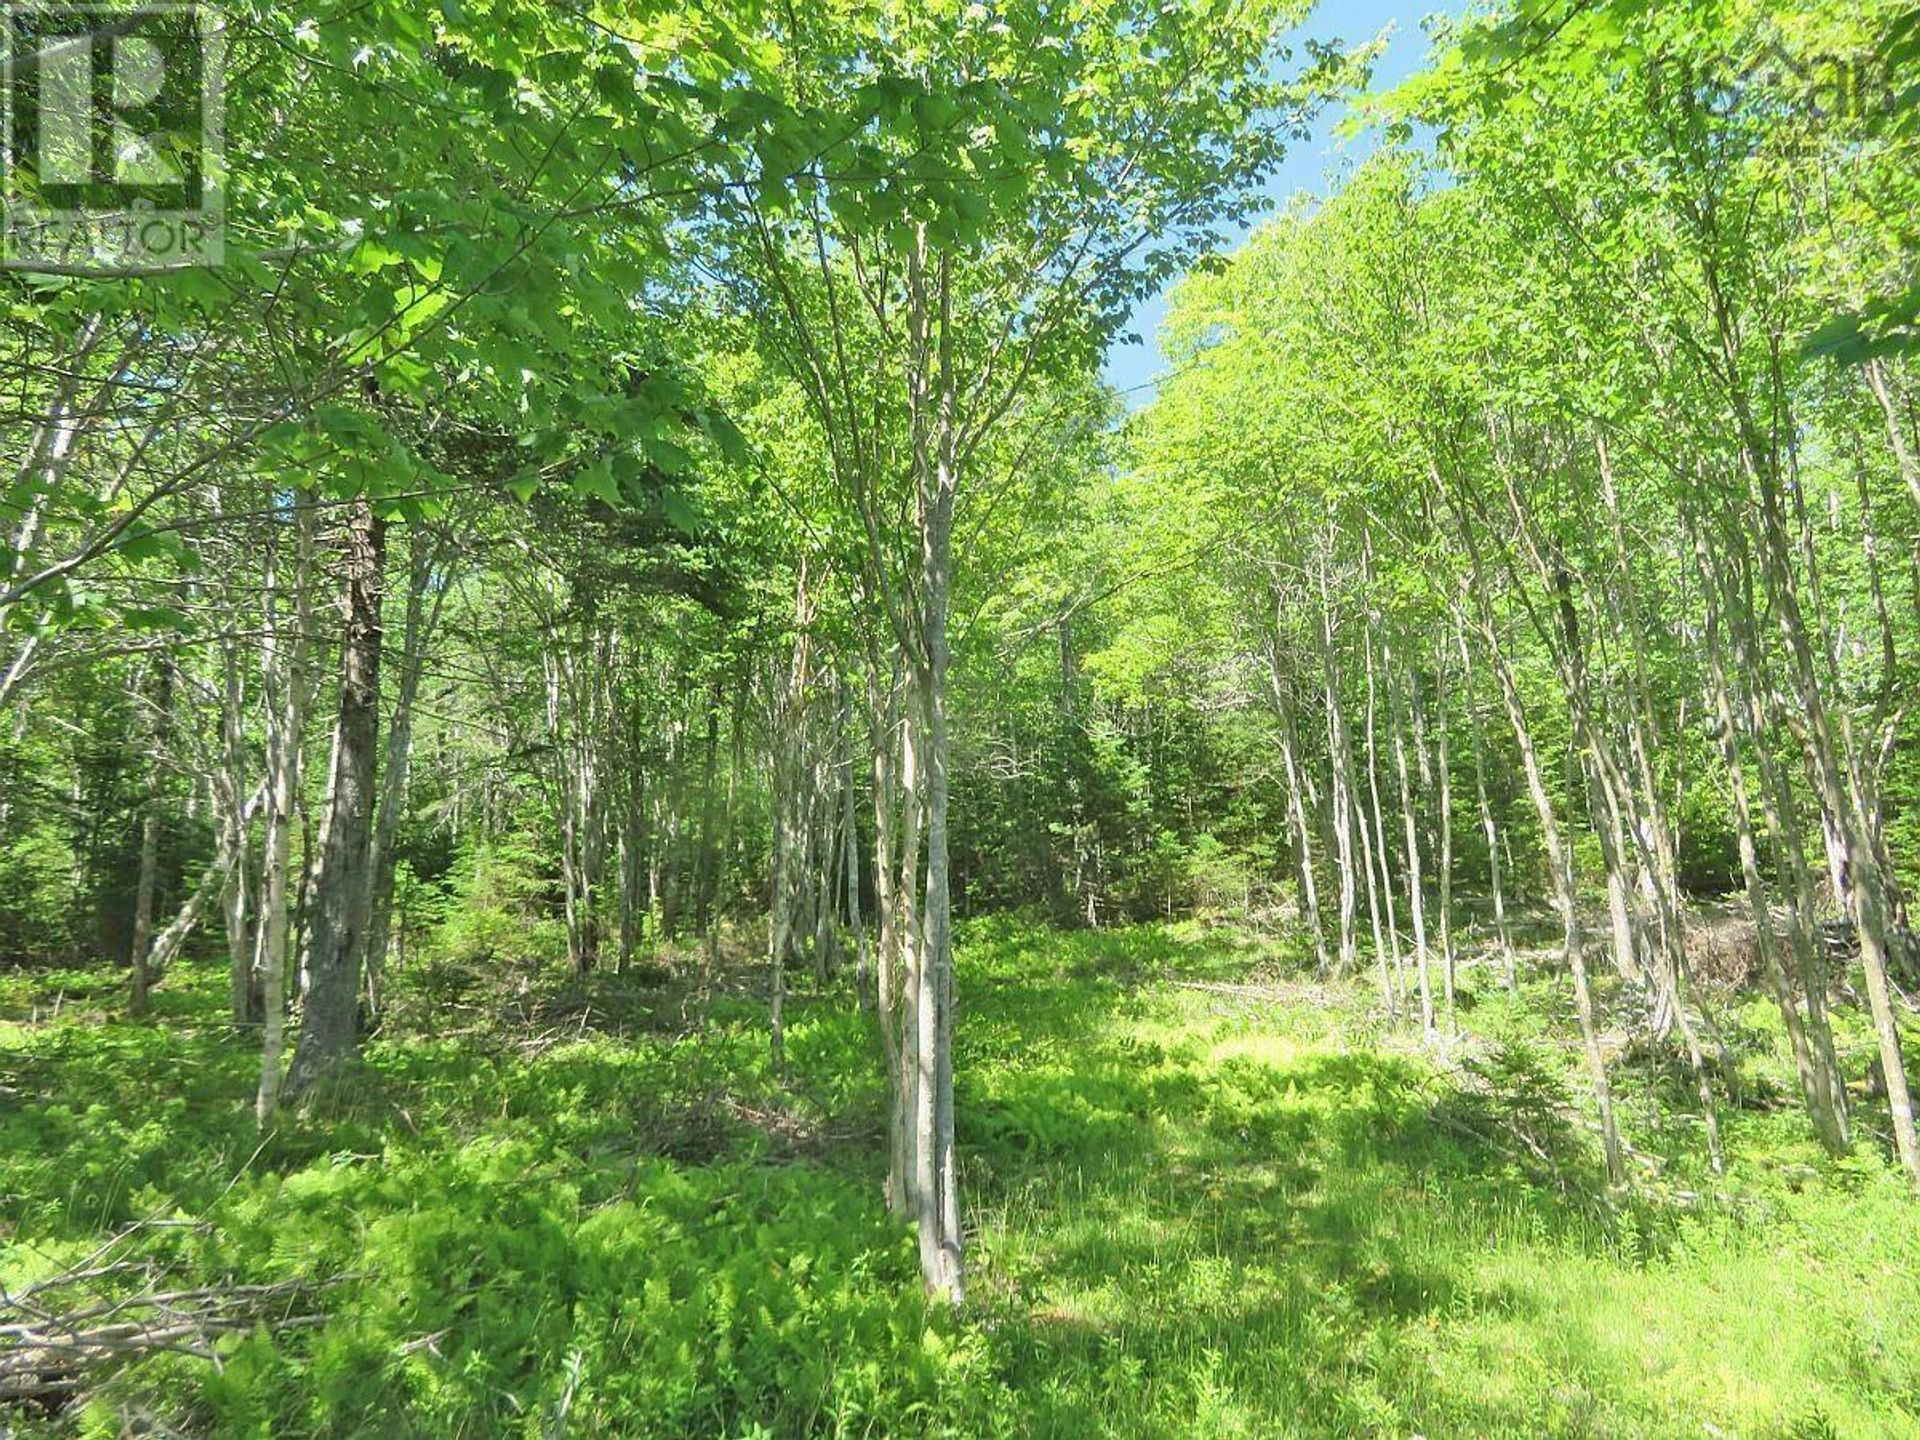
1206	1199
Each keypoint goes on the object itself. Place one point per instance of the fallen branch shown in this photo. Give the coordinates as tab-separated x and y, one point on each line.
49	1351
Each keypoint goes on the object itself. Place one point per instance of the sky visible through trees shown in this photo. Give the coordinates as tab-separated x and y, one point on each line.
1311	167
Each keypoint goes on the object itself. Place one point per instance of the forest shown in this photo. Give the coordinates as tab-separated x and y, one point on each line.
637	800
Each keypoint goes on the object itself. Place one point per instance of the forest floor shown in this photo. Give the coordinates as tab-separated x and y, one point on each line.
1206	1198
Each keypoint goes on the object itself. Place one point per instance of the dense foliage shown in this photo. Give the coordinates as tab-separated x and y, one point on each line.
512	681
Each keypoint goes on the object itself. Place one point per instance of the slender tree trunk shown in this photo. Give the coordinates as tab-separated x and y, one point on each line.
168	942
1390	994
1503	935
244	1001
1566	900
419	625
1818	1085
790	776
1874	372
672	834
1379	848
706	859
284	688
909	937
888	803
730	819
1560	854
1416	880
823	846
1296	808
1443	757
937	1199
631	850
52	446
780	928
337	933
850	846
1611	831
1340	758
156	732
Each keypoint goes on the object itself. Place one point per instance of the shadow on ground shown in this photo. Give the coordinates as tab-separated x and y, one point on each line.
1206	1198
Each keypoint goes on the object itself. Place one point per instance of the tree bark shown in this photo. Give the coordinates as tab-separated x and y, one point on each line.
1296	805
337	928
936	1198
1340	765
850	847
156	728
890	802
1561	857
1443	760
1402	703
1818	1084
1489	831
419	625
284	685
244	1001
1855	863
1378	846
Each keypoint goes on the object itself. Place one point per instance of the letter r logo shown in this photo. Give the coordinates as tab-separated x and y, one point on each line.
112	145
69	137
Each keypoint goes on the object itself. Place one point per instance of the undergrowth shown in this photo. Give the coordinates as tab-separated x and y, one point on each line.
1207	1198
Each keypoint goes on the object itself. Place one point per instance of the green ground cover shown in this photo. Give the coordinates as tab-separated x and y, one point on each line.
1209	1198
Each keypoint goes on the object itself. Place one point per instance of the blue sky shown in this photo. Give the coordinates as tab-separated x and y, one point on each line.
1309	166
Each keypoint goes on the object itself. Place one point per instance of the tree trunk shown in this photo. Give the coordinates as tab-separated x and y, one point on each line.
142	980
156	732
1378	845
1818	1085
1879	385
1560	854
167	943
706	858
1489	831
244	1001
890	801
1340	765
631	851
420	624
670	835
1611	832
1443	760
284	685
1296	807
850	847
337	928
1416	879
936	1198
730	816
